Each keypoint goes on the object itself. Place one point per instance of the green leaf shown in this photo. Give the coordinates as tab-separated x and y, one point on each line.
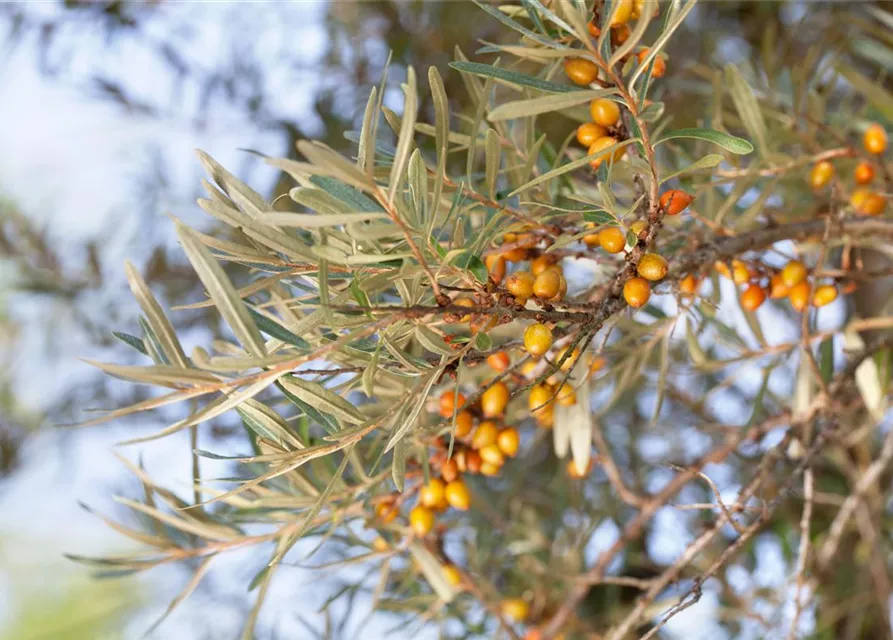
398	465
433	571
357	200
706	162
734	144
162	330
407	134
483	342
321	398
131	341
570	166
874	92
276	330
747	106
327	422
511	24
599	217
545	104
512	77
315	221
467	260
492	158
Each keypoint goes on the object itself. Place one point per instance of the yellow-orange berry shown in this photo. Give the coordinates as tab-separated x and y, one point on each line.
777	288
541	263
520	285
589	132
528	368
464	301
468	460
508	441
636	292
604	112
485	434
571	358
602	144
652	267
545	417
875	139
386	511
799	296
659	66
723	269
824	294
868	203
596	365
741	273
457	495
433	493
464	423
539	397
495	267
380	544
537	339
639	9
421	519
494	400
449	471
451	575
794	272
753	297
499	361
612	239
621	12
580	70
566	396
689	285
547	284
449	400
492	454
675	201
490	470
620	34
562	288
593	29
516	609
575	472
864	173
821	174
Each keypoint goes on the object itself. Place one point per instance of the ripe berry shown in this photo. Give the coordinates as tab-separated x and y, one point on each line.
621	12
799	296
741	273
652	267
492	454
593	29
639	9
494	400
421	519
515	609
675	201
604	143
821	174
541	263
566	396
636	292
433	493
824	294
464	423
562	288
490	470
449	471
537	339
539	397
380	544
794	272
753	297
596	365
689	285
386	511
777	288
620	34
468	460
864	173
580	70
545	417
868	203
457	495
875	139
547	284
508	441
520	285
495	267
451	575
589	132
571	359
604	112
499	361
612	239
449	399
575	472
659	68
485	434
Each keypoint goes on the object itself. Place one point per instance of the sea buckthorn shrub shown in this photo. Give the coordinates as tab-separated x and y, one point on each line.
470	352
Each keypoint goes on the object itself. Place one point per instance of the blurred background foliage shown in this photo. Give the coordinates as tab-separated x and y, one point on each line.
286	71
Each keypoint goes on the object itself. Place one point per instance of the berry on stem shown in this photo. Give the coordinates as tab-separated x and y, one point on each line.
799	296
495	399
520	285
599	145
516	609
449	400
675	201
864	173
636	292
464	423
589	132
652	267
612	239
753	297
875	139
508	441
421	519
485	434
604	112
794	273
433	493
659	68
537	339
689	285
457	495
580	70
499	361
824	294
821	174
547	284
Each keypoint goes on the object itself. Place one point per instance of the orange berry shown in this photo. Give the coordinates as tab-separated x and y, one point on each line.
492	454
675	201
421	519
541	263
596	365
537	339
485	434
591	239
562	288
593	29
490	470
575	472
620	34
380	544
612	239
753	297
457	495
601	144
799	296
464	301
777	288
636	292
386	511
659	68
621	11
451	575
547	284
580	70
449	399
467	460
824	294
433	493
499	361
639	9
875	139
508	441
741	273
464	423
495	267
723	269
545	417
571	359
794	273
604	112
652	267
515	609
589	132
868	203
821	174
494	400
520	285
689	285
449	471
864	173
566	396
